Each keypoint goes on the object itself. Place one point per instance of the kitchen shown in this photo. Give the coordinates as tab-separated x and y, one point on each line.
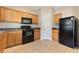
11	25
12	31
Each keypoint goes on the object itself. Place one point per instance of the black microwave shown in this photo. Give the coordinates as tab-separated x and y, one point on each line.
25	20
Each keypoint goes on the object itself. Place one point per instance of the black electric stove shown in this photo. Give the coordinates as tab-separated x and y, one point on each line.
27	34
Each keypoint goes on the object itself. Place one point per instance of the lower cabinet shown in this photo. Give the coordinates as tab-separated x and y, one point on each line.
36	34
18	37
55	34
3	42
4	37
10	38
14	38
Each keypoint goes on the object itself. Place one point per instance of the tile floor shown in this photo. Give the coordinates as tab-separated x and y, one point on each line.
41	46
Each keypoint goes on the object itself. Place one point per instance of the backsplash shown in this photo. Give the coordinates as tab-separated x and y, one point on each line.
56	25
16	25
9	25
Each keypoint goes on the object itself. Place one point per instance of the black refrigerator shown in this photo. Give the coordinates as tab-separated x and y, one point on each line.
67	31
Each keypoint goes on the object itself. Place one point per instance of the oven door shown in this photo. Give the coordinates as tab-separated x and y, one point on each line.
28	36
27	33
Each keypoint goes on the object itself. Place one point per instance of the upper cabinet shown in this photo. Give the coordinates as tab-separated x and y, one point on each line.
1	14
14	16
5	15
57	18
27	15
35	19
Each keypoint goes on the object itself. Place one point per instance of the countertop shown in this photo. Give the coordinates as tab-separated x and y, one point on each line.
3	30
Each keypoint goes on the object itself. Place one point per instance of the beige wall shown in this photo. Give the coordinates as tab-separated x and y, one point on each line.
68	11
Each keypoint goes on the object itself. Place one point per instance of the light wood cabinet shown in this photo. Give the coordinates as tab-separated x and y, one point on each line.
1	14
14	37
16	16
9	15
35	19
5	15
1	45
57	18
4	37
36	34
18	37
55	34
3	42
11	38
27	15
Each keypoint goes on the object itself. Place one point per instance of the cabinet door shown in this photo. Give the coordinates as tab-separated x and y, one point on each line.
55	35
4	37
11	38
2	44
19	37
27	15
57	17
35	19
16	16
36	34
23	14
7	15
1	14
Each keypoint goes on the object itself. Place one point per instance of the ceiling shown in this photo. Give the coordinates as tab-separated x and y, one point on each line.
32	9
36	8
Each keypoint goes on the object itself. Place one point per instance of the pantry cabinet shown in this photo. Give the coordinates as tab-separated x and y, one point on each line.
36	34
